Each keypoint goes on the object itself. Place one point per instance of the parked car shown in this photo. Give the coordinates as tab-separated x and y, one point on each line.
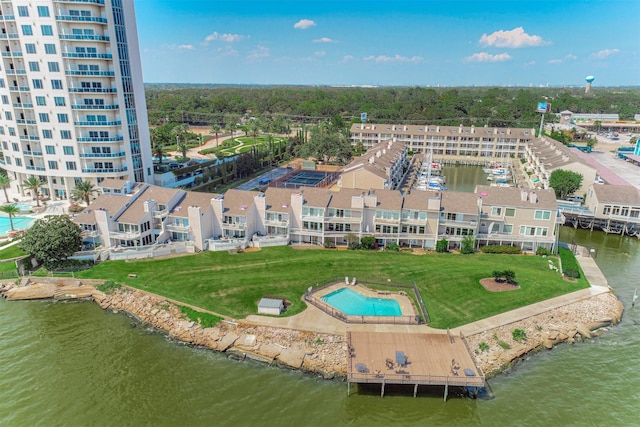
578	199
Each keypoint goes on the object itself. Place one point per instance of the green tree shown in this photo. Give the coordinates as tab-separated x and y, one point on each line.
442	246
468	245
180	132
11	210
157	143
5	181
215	129
52	240
368	242
183	147
564	182
33	184
83	191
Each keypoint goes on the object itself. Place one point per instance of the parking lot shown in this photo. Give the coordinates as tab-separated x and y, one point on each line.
623	169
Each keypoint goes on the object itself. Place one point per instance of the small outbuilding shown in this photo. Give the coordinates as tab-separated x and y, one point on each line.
270	306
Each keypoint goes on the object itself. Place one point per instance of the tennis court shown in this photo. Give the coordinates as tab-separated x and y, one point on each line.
306	178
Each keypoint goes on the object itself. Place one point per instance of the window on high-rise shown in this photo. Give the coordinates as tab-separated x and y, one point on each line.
7	115
18	162
43	11
30	48
71	166
68	150
47	30
52	164
23	11
59	101
12	131
5	99
37	83
54	67
50	149
63	118
34	66
65	134
41	101
50	49
74	13
56	84
47	134
44	117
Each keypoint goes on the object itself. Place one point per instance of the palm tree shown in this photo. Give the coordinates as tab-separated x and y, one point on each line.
254	130
33	184
180	132
83	191
4	183
183	147
157	145
11	210
215	129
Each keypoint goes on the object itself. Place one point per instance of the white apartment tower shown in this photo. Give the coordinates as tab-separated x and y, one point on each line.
72	96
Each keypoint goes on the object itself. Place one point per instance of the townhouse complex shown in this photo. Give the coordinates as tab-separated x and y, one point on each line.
481	143
139	215
72	95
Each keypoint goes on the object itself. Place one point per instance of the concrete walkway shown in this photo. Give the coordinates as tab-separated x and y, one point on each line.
315	320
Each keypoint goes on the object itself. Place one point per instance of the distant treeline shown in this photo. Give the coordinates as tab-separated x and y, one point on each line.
502	107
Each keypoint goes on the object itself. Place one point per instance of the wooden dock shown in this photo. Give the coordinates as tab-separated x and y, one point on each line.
431	359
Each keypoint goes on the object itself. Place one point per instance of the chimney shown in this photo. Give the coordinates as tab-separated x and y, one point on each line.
533	197
523	195
378	154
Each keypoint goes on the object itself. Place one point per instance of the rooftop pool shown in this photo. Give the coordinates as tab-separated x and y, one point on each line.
352	303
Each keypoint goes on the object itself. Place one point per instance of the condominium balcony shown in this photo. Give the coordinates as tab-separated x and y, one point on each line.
14	71
32	153
35	168
276	223
7	17
12	54
90	233
95	19
19	88
26	122
100	139
96	38
111	170
472	223
112	123
124	235
29	138
341	219
22	105
94	107
92	90
74	55
177	228
234	225
162	213
89	73
80	1
102	155
9	36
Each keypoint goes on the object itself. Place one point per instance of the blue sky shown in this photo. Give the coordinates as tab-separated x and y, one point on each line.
408	43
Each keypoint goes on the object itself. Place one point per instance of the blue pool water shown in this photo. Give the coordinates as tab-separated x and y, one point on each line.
19	223
23	207
355	304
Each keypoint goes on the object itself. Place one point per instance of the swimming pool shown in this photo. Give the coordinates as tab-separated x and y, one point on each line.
19	223
354	304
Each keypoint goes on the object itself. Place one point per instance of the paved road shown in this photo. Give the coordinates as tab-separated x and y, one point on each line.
623	169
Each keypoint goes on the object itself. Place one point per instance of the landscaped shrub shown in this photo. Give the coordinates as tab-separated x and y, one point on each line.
483	346
500	249
329	244
468	245
442	246
542	251
352	241
573	274
75	208
393	247
368	242
504	275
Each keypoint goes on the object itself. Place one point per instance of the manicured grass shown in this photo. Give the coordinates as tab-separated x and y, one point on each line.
232	284
11	252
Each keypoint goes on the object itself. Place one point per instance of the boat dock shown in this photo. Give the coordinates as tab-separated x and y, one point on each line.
428	359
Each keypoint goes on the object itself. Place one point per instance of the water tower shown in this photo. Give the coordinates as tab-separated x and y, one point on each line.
589	80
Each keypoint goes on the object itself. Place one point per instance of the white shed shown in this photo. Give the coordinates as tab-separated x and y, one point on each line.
270	306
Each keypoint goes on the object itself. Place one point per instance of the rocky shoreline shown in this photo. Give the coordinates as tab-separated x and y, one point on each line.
571	323
325	355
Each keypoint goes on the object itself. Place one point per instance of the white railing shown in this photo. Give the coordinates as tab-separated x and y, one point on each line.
268	241
226	244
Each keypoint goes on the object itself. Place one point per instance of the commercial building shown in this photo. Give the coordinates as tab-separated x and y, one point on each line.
150	215
72	96
482	144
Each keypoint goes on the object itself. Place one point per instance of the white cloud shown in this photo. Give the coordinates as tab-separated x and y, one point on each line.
554	61
395	58
604	53
569	57
347	58
186	46
512	38
320	53
487	57
303	24
227	51
323	40
259	53
229	38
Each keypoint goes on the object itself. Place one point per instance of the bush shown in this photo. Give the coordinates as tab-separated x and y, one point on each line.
543	251
573	274
368	242
442	246
329	244
76	208
500	249
205	320
519	335
393	247
483	346
352	241
108	287
468	245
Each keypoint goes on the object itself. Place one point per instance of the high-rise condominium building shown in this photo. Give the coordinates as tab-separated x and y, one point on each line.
72	96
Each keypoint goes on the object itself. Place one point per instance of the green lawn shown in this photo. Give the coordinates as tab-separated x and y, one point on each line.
9	253
231	284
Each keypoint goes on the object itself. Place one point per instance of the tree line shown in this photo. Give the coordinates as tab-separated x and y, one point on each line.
502	107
